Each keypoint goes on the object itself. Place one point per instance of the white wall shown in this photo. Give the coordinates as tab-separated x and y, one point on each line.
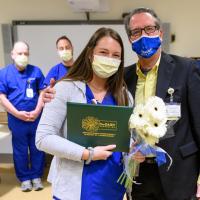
182	14
1	50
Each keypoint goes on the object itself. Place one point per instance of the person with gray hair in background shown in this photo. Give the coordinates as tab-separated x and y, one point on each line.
20	85
153	75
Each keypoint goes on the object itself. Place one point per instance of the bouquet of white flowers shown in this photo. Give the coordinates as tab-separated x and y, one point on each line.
147	124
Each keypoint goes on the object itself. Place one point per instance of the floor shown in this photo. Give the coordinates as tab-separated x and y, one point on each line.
10	190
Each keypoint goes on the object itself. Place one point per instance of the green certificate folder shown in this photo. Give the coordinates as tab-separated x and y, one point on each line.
93	125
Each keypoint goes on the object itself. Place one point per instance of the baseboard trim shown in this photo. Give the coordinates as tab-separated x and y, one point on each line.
6	158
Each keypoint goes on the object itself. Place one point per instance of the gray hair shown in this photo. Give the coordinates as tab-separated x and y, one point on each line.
138	11
20	42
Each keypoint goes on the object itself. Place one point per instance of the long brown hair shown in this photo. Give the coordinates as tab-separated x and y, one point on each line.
82	68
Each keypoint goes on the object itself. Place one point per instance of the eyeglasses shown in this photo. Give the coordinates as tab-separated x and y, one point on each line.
137	32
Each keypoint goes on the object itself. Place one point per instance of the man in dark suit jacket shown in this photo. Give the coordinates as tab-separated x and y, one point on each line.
183	142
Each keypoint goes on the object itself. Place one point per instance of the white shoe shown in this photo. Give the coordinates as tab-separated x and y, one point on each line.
37	184
26	186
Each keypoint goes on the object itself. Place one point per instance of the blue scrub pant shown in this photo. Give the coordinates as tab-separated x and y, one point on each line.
28	161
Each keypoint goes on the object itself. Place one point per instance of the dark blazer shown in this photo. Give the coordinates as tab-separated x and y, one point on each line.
183	75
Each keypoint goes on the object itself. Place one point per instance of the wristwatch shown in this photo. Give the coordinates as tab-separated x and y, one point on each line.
91	153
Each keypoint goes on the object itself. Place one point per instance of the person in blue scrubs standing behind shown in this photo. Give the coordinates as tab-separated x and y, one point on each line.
20	85
65	52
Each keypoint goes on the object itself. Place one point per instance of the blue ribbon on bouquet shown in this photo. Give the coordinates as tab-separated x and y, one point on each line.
131	166
159	153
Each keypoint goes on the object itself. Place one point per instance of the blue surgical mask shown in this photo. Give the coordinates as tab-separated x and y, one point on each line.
146	46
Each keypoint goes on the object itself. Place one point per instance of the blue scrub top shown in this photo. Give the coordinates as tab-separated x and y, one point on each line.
99	178
57	72
14	84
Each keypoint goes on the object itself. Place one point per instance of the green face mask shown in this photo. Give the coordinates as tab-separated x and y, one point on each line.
104	67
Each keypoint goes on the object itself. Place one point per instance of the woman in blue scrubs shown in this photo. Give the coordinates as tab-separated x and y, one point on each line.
65	52
97	76
20	84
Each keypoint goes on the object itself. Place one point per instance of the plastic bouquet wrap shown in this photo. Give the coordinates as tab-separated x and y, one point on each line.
147	124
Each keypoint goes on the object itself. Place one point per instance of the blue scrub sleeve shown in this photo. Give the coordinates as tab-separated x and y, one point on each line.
40	80
3	85
50	75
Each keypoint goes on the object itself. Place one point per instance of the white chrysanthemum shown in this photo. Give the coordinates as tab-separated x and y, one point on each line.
155	109
147	137
137	119
149	120
156	130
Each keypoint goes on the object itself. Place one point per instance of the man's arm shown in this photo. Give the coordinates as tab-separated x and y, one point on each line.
23	115
49	92
40	104
194	98
46	95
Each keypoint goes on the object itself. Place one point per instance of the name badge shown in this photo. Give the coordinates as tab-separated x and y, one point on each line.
29	92
173	111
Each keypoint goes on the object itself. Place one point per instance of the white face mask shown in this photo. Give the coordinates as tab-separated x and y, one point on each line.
105	67
21	61
65	55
